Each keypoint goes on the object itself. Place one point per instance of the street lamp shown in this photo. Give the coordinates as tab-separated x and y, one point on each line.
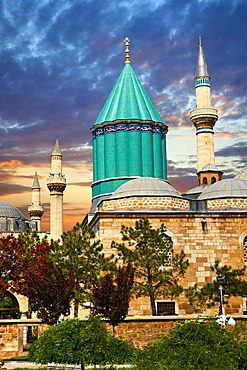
222	317
221	283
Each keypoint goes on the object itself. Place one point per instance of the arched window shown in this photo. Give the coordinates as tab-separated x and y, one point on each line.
245	249
205	181
9	307
213	180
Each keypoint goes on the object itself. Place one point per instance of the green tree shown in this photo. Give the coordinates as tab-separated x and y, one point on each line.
82	255
208	295
149	251
111	296
199	346
80	342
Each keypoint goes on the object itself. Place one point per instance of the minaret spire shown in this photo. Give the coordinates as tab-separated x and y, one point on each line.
204	118
36	210
201	68
56	184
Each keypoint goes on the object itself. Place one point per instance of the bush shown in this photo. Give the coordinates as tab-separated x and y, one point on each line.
196	345
80	342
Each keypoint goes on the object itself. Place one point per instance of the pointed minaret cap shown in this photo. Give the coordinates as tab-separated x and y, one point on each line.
56	149
36	181
201	68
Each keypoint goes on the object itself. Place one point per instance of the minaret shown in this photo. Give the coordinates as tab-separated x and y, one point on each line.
56	184
36	210
129	136
204	118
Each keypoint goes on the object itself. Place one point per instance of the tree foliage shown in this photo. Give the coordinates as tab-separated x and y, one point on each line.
149	250
82	255
112	294
208	295
196	345
80	342
28	268
11	249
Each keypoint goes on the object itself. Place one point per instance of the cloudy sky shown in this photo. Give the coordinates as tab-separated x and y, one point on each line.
59	60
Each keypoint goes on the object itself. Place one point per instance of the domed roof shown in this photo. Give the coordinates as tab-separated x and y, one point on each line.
145	186
209	167
242	175
196	190
229	188
9	211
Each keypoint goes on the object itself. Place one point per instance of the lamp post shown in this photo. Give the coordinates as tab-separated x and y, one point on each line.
222	317
221	283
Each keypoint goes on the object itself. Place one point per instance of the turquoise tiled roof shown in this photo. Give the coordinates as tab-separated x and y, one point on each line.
128	100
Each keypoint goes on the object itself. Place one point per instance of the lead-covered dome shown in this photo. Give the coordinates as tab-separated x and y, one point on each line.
145	186
209	168
242	175
9	211
145	193
229	188
12	220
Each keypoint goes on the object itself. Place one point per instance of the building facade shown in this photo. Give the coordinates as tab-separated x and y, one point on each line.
208	222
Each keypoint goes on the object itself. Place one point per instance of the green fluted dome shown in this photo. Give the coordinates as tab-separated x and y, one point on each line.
128	100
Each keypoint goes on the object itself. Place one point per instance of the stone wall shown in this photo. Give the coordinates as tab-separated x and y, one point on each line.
13	336
228	203
144	331
146	202
204	238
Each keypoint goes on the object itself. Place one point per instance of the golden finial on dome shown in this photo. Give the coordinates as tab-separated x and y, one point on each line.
127	57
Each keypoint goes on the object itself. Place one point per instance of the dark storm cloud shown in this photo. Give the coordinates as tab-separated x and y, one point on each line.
60	59
236	150
9	188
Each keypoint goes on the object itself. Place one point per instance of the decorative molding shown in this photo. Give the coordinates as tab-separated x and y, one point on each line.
129	127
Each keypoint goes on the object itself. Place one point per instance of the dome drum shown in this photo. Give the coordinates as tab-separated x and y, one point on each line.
145	202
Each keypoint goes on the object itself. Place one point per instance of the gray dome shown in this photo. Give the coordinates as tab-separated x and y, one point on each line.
196	190
209	167
9	211
145	186
242	175
230	188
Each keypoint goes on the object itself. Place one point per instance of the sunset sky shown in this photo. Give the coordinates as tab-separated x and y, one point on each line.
59	60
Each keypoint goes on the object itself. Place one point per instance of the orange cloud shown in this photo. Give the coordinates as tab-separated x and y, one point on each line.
13	163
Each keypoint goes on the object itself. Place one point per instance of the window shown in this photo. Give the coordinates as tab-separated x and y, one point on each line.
213	180
166	308
32	334
245	249
205	181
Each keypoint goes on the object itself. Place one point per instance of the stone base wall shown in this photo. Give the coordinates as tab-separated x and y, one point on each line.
13	336
144	331
139	330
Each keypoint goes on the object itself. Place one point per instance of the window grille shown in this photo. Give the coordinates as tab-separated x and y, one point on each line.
166	308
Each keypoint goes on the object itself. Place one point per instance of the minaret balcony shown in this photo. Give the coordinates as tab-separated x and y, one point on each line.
56	182
204	115
36	210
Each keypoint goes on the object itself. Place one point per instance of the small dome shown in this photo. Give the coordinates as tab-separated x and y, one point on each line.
9	211
196	190
145	186
209	167
242	175
230	188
